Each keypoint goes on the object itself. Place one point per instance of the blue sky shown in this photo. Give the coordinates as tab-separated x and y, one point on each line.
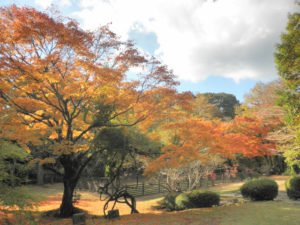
212	46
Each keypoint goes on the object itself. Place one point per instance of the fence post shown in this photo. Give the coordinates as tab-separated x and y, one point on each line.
143	188
159	185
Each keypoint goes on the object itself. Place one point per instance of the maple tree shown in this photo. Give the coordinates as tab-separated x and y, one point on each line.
200	140
261	102
59	84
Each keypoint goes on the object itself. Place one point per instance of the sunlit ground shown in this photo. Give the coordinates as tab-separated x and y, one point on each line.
281	211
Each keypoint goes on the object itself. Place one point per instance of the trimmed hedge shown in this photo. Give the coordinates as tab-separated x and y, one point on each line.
260	189
169	200
182	201
200	199
293	187
191	199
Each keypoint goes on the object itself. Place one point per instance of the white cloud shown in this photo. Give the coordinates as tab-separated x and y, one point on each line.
199	38
47	3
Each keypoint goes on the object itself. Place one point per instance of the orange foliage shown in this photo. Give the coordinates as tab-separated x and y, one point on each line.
195	138
58	83
57	80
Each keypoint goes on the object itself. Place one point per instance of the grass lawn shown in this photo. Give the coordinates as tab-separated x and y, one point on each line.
281	211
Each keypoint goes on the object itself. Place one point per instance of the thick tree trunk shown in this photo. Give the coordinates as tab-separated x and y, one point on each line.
72	171
66	207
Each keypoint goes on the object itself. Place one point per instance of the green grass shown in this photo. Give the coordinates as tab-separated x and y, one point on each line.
284	212
44	191
281	211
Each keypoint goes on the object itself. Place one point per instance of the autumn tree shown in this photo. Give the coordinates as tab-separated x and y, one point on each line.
202	107
288	65
60	84
261	101
202	140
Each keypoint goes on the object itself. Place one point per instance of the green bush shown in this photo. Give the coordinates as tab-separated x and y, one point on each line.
199	199
293	187
169	200
260	189
182	201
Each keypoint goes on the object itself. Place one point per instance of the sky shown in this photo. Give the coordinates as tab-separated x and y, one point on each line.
211	45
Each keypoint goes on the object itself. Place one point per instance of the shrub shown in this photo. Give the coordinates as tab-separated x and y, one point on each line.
293	187
182	201
199	199
169	200
260	189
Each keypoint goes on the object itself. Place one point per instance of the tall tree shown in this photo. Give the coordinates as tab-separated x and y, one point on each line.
287	58
203	107
261	102
59	83
225	104
199	139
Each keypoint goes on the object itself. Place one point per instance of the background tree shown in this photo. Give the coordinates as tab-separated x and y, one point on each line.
200	142
287	59
13	174
204	108
225	104
127	145
260	102
58	84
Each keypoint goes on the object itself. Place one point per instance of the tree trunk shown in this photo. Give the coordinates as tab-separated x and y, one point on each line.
72	172
12	173
40	174
66	207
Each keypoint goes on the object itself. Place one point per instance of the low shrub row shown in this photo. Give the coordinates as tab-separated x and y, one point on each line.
293	187
191	199
260	189
267	189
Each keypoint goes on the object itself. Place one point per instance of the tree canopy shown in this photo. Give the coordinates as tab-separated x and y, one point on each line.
58	83
287	58
225	104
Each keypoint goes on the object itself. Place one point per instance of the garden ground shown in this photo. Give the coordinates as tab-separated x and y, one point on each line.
234	209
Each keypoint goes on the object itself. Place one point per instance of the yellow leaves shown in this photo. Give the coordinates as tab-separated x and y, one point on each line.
54	135
62	148
89	136
76	133
52	79
30	105
27	149
81	147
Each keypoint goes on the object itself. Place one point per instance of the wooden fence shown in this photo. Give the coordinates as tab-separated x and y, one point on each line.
144	188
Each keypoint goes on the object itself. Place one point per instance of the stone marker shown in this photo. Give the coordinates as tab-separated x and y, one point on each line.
113	214
78	219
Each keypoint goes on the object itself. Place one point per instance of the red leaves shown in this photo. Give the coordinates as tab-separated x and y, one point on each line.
196	138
